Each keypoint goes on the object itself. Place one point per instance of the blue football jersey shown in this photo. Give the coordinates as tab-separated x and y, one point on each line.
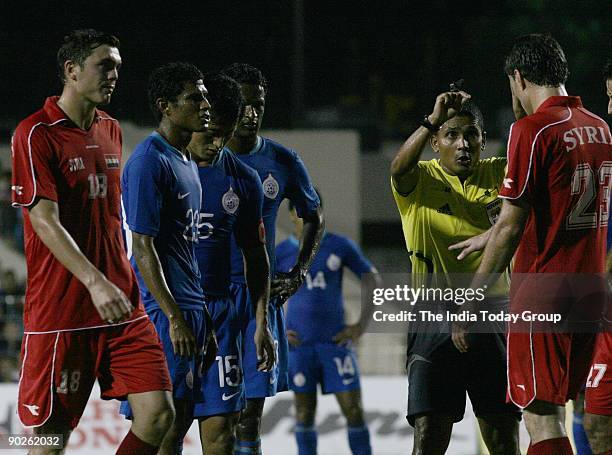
316	310
161	196
231	204
284	176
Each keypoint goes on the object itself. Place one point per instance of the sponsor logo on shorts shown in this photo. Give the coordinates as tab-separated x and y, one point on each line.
230	201
183	196
521	386
299	380
225	397
32	408
271	187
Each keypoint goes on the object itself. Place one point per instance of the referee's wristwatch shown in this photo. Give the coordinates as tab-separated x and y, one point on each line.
430	126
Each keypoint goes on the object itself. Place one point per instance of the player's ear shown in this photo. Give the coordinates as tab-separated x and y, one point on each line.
70	70
163	106
433	141
519	80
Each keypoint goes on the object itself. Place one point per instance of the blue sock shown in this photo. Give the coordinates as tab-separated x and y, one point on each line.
247	447
306	438
359	440
580	437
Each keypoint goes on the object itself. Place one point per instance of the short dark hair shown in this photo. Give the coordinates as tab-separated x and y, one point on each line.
243	73
471	109
292	205
224	96
168	81
79	44
607	71
540	60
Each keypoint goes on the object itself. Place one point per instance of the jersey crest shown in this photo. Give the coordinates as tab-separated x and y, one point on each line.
230	201
271	187
334	262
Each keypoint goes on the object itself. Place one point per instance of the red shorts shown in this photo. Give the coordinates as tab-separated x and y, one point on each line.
59	369
598	395
549	367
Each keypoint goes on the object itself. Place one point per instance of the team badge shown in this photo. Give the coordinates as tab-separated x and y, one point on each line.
112	161
333	262
493	210
299	380
270	186
230	201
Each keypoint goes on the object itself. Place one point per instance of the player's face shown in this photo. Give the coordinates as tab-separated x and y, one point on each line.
191	110
459	142
207	144
254	104
609	91
96	79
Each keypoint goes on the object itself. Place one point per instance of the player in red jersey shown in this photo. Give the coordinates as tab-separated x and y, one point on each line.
556	211
83	317
598	396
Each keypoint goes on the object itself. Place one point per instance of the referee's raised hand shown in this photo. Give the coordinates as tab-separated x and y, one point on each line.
447	105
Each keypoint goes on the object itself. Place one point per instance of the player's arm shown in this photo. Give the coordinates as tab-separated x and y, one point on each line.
149	266
287	284
257	274
110	302
369	282
504	239
404	164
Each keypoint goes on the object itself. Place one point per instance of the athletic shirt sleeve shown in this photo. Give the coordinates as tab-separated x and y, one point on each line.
354	258
521	161
249	229
300	190
143	182
34	164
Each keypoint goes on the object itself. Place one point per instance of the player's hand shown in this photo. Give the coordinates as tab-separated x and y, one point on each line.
285	285
293	338
264	345
447	105
476	243
351	333
211	348
181	336
459	336
111	303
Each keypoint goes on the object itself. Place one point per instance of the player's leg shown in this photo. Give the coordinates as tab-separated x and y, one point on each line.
305	432
545	424
599	430
340	376
172	443
500	433
249	427
53	426
153	415
222	384
578	432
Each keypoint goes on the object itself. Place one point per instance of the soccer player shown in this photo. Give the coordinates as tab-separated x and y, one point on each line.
283	175
83	316
440	202
231	204
320	350
162	200
598	396
555	210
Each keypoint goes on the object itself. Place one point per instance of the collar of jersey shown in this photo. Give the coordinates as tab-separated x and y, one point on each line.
170	147
56	113
560	101
439	166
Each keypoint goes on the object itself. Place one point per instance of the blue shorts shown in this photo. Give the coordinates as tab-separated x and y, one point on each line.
328	364
261	384
184	372
223	384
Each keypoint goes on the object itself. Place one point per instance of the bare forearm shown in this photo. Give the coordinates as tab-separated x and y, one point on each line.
498	253
310	241
257	274
409	153
152	273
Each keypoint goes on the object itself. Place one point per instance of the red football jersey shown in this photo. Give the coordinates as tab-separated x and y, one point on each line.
80	170
560	162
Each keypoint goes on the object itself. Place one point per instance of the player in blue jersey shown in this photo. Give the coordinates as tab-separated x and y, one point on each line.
284	176
320	341
231	203
161	200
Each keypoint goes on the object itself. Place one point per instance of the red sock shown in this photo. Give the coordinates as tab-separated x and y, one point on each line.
133	445
557	446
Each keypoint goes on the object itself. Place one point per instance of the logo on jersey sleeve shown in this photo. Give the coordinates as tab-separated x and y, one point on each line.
271	187
230	201
112	161
333	262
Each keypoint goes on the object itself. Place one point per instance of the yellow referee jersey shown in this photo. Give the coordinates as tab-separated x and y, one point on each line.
441	211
